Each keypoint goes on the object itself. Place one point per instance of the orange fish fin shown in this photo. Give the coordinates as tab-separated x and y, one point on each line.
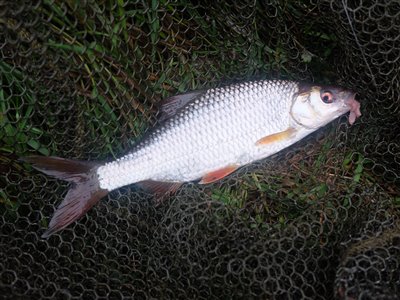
276	137
218	174
160	188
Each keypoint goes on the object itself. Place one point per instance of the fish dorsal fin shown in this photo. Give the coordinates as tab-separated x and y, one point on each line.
171	105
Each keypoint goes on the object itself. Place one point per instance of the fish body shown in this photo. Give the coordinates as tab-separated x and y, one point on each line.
220	127
205	136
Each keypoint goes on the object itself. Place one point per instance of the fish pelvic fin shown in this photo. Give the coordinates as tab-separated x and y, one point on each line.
84	193
276	137
218	174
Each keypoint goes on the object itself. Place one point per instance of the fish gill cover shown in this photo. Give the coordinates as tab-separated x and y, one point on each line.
84	79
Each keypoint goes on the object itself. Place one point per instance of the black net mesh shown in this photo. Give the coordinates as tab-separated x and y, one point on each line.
83	79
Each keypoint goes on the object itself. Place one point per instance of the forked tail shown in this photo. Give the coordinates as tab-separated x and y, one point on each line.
84	193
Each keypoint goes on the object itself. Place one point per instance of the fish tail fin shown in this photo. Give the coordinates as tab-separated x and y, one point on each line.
84	193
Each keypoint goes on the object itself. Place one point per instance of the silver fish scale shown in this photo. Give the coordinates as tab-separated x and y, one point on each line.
217	129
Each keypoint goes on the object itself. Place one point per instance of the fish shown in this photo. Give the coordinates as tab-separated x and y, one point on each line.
202	136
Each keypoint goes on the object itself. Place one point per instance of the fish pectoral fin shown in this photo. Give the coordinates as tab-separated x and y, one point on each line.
160	188
276	137
218	174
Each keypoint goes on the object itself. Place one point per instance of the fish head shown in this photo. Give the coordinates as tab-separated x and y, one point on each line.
315	106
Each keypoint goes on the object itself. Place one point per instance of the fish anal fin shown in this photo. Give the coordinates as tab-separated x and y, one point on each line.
276	137
218	174
160	188
171	105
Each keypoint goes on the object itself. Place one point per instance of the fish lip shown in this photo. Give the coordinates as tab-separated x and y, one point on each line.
353	106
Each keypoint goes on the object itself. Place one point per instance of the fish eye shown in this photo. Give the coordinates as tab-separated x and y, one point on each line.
327	97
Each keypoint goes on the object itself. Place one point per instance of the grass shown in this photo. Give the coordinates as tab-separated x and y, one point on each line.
122	66
17	134
316	177
119	60
88	86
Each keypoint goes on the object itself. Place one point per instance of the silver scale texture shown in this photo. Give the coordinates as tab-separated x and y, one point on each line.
217	129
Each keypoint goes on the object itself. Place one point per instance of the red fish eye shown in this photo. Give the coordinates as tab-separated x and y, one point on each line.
327	97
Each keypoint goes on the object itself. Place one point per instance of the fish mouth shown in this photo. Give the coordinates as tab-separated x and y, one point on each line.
354	107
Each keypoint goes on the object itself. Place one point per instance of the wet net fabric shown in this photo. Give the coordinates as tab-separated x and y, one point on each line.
84	79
